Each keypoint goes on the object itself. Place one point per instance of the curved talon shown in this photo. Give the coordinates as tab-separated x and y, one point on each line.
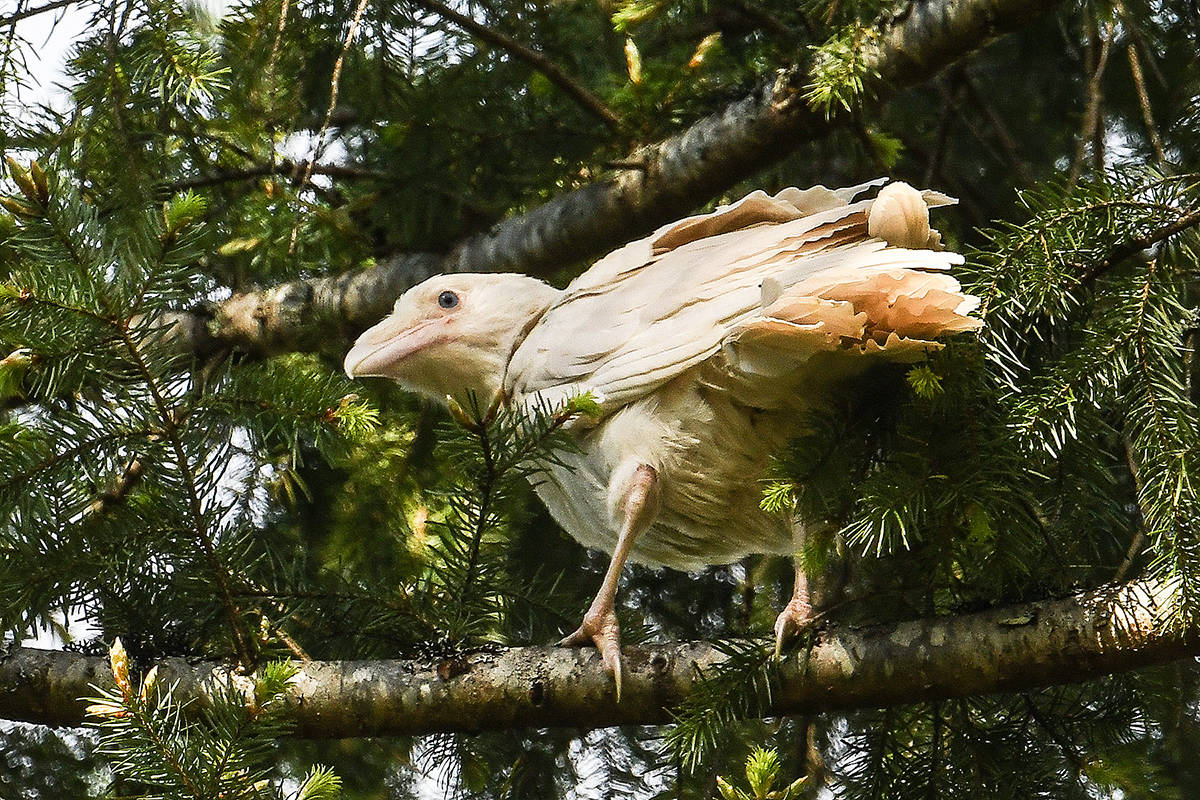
796	617
601	631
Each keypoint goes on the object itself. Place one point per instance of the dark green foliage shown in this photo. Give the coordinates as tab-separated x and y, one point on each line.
253	510
738	687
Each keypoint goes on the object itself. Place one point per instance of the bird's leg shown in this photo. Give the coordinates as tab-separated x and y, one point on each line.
797	614
639	507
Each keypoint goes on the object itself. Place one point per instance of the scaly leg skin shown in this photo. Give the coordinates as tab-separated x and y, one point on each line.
599	626
797	615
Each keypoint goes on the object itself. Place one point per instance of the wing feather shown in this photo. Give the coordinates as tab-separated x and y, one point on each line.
768	280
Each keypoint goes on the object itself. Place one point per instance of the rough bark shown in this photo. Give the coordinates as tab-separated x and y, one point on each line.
1007	649
672	177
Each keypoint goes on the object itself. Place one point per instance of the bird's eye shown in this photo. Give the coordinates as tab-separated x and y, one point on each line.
447	300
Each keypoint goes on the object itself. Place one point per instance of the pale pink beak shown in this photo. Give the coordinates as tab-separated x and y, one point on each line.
383	346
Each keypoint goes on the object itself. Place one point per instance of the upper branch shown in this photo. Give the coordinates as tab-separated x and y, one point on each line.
1008	649
26	13
672	177
553	73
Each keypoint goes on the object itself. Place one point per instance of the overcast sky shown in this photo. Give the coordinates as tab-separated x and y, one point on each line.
45	42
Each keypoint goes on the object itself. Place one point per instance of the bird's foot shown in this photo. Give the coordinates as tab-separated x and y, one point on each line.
797	616
600	629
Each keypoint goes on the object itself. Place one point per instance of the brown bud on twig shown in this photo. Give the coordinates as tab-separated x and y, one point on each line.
23	180
119	660
460	415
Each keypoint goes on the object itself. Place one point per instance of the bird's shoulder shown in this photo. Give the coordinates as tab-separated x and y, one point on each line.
662	304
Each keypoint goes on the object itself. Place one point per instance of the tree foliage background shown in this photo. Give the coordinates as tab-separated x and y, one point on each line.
222	503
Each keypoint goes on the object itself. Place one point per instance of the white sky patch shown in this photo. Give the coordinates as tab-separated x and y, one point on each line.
300	146
45	44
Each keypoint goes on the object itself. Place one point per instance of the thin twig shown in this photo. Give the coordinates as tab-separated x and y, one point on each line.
1007	158
284	167
26	13
1139	82
1139	538
485	492
933	164
291	644
1091	114
1137	245
1007	143
270	78
120	489
872	152
1065	747
586	100
334	85
283	15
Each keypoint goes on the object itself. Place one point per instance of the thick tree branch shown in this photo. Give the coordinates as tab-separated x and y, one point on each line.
676	175
1009	649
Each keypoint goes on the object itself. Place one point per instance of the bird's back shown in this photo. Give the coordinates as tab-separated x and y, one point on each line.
765	282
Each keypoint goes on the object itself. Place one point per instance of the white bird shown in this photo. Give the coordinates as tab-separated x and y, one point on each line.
702	342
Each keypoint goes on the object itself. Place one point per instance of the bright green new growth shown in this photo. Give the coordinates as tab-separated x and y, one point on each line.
838	69
762	768
225	751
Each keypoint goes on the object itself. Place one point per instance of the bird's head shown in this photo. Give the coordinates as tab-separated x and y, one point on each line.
452	334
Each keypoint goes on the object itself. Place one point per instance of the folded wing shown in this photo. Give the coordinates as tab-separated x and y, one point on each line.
762	285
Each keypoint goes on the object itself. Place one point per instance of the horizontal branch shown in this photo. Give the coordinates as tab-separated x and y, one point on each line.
1008	649
284	167
26	13
673	177
1186	219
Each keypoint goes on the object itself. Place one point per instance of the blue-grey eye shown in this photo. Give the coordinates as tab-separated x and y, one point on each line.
447	300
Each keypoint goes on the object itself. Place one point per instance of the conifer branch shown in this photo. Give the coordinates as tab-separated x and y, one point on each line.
679	172
1050	642
170	431
553	73
1186	220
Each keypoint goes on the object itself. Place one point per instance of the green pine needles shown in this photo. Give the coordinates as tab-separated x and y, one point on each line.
738	687
161	749
122	441
468	592
1087	319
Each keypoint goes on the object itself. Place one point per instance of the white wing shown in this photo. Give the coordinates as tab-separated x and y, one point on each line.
736	281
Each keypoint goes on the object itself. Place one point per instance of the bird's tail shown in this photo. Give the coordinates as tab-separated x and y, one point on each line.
873	283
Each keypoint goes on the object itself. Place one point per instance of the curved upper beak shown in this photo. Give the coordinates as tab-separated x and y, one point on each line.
383	346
